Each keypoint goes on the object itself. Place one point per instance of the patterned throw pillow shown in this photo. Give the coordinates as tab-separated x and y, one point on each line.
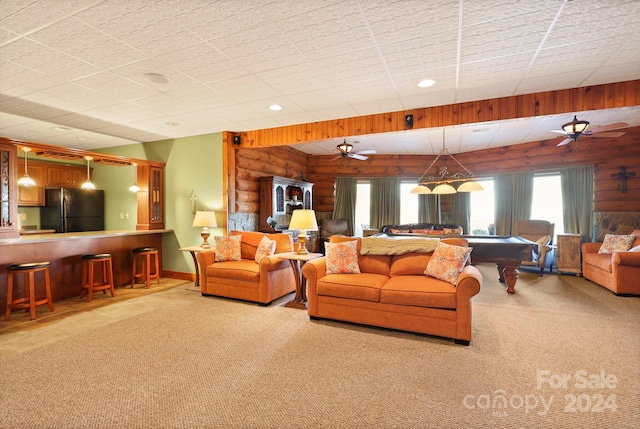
616	243
452	231
342	258
265	248
228	248
447	261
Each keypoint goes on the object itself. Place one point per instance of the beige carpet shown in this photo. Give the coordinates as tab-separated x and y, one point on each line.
195	362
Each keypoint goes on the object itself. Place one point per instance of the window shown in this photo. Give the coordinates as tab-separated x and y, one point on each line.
362	207
546	204
482	209
408	204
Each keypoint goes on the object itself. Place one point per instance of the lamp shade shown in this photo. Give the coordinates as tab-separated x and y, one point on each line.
421	189
205	219
304	220
443	189
470	187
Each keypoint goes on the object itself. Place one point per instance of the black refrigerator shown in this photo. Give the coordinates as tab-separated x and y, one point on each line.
73	210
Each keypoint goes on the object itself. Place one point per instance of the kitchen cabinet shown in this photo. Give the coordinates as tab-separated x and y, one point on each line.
66	176
150	179
32	195
8	192
279	196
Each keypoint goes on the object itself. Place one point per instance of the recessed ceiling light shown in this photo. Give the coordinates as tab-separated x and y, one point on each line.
426	83
275	107
156	77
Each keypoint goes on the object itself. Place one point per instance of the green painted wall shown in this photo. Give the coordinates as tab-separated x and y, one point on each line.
192	164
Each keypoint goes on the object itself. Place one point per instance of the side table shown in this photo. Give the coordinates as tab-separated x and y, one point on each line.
297	261
193	250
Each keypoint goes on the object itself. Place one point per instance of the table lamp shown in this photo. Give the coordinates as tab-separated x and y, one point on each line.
303	221
205	219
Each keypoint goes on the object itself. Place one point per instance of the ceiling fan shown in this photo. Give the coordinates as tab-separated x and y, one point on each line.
346	151
574	129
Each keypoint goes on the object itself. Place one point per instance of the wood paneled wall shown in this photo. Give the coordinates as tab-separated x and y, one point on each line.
251	164
607	155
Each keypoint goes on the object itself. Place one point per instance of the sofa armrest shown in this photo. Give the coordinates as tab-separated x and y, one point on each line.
272	262
469	283
206	257
591	247
626	258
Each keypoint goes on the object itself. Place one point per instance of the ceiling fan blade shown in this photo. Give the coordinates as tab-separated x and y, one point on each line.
607	128
366	152
565	141
337	157
559	132
609	134
356	156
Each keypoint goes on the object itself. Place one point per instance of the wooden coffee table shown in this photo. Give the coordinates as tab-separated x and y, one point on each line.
297	261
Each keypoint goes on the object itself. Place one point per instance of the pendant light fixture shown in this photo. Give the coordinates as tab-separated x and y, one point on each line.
135	188
26	180
444	180
88	184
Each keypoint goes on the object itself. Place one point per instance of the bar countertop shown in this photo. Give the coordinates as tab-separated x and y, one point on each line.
39	238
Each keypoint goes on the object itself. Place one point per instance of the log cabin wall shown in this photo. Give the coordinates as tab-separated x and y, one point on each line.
607	156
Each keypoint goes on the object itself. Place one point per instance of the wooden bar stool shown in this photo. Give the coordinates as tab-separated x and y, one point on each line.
30	300
89	284
142	256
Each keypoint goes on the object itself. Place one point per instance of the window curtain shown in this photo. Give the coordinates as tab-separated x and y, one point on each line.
577	200
461	209
429	208
344	206
385	201
513	200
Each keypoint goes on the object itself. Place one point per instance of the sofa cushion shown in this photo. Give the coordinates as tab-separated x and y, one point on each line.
616	243
365	286
227	248
244	270
265	248
598	260
409	264
420	291
342	258
447	261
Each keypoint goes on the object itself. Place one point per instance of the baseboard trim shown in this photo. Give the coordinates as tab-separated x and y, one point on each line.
179	275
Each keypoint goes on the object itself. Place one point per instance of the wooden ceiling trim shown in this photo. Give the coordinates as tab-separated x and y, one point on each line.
612	95
67	154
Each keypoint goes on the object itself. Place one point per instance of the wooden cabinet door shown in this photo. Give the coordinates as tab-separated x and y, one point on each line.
8	192
66	176
32	195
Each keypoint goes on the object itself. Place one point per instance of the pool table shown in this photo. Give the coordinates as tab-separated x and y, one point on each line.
507	252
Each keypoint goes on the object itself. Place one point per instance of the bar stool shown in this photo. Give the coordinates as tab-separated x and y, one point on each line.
143	255
30	300
89	284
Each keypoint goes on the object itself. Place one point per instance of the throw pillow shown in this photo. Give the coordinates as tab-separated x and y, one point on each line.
447	261
265	248
228	248
635	249
455	231
616	243
342	258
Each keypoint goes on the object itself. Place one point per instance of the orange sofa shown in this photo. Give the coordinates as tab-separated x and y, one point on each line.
245	279
618	272
392	291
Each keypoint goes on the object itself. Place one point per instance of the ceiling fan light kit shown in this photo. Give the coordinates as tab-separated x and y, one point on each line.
346	151
574	129
444	180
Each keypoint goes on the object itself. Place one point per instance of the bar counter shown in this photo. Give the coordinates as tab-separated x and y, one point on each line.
64	252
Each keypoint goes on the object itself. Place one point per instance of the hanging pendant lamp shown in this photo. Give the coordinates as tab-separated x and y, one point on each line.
26	180
88	184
